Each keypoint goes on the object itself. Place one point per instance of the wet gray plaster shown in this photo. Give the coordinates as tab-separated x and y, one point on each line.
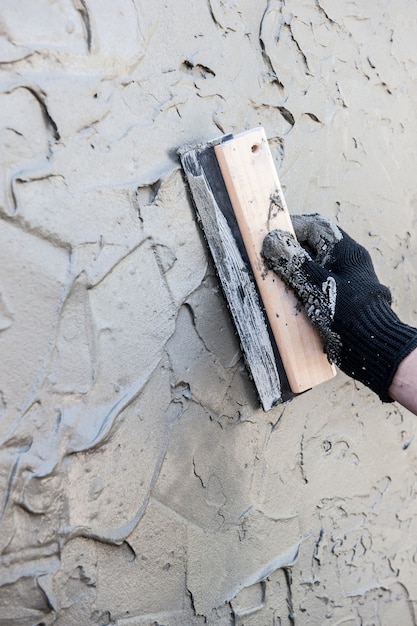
141	483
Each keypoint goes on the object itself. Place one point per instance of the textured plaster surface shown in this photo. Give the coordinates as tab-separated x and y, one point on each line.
141	484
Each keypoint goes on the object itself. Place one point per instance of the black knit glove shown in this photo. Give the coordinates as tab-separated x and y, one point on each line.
334	278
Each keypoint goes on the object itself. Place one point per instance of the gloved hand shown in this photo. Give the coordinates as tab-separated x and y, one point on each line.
333	276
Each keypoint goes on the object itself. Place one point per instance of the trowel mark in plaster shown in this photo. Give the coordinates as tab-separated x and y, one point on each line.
282	28
119	535
287	115
70	418
198	70
265	56
302	467
250	600
45	361
145	195
212	324
323	12
382	82
283	561
107	535
82	8
40	166
6	316
65	533
226	15
165	259
270	598
12	476
41	98
62	22
75	336
213	17
300	51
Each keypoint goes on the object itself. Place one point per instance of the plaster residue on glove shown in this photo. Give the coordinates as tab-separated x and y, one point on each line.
316	289
317	234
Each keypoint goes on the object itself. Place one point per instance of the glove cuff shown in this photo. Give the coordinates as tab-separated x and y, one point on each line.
379	341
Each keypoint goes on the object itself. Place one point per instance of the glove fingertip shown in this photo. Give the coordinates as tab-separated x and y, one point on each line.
317	234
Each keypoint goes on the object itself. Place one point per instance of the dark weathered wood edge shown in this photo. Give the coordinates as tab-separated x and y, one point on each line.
216	217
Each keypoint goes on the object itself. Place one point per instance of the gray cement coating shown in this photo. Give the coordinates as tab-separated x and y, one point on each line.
141	483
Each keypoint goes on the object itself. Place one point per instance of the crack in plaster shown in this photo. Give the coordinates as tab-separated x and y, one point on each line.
265	56
298	47
82	8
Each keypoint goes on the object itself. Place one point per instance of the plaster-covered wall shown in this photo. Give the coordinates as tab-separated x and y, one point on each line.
140	481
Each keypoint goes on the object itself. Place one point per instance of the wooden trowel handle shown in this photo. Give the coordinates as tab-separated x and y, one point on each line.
256	196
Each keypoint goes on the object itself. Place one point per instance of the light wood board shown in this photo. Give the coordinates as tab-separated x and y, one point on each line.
256	196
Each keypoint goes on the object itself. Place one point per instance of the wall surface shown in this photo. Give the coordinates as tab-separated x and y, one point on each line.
141	484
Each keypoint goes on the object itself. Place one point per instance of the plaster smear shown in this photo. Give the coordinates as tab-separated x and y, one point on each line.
141	482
